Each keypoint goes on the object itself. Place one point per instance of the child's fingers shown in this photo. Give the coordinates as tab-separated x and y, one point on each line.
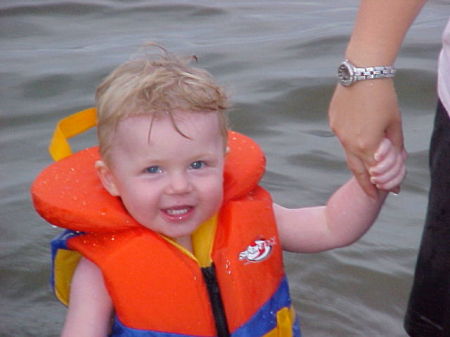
392	177
404	155
394	169
393	183
390	169
389	160
386	157
383	149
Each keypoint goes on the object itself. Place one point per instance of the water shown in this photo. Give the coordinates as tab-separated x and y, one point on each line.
278	60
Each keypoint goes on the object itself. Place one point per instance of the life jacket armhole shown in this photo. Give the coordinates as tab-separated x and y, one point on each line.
64	263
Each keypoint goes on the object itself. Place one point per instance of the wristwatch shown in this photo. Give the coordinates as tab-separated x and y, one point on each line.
348	73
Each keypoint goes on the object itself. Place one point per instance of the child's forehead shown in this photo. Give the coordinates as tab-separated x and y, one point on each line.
142	135
179	121
144	130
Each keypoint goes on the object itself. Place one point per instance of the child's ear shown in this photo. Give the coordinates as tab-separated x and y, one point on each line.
106	177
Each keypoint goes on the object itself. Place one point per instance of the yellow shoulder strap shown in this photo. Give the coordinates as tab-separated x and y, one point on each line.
68	127
59	148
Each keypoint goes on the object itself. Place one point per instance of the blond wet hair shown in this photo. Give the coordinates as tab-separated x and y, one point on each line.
152	86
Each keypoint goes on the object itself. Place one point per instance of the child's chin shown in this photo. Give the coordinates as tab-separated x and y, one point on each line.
180	230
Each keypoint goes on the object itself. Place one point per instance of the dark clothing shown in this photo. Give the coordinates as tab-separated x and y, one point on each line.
428	313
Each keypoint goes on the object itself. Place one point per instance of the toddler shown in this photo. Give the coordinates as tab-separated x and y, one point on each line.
176	236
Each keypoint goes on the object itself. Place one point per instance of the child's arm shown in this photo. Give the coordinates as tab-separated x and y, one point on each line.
90	309
348	214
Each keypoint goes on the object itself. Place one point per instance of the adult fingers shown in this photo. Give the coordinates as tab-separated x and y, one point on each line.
362	175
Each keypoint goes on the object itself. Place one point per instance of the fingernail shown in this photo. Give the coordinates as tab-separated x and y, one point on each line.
396	190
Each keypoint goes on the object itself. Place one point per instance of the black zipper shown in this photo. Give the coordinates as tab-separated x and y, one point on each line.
209	275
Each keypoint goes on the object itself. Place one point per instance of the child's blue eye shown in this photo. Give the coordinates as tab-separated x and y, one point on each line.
198	164
153	169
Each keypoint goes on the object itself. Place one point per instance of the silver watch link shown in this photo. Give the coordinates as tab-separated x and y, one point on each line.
348	73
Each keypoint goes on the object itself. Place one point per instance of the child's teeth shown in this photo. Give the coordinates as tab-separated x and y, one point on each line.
177	211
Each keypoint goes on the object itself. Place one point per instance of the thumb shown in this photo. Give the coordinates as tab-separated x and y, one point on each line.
395	134
361	174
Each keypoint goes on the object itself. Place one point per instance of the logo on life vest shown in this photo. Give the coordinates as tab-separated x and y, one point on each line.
258	251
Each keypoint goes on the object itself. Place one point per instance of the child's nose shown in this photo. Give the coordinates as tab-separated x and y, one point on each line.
179	183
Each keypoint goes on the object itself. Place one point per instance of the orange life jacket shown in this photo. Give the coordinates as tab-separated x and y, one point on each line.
157	289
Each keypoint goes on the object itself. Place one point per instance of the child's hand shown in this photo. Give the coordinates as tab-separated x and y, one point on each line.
389	171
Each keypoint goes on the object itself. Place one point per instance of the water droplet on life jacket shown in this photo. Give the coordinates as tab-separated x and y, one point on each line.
228	267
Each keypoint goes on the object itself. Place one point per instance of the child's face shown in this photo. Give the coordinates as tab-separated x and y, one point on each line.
167	182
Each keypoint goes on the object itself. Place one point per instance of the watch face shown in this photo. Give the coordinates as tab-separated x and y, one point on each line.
344	74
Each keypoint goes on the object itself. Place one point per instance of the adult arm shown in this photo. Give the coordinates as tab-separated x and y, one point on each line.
362	114
90	307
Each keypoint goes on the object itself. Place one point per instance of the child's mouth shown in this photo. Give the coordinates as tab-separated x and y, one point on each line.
178	213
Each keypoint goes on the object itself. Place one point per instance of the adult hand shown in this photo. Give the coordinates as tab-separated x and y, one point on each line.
361	116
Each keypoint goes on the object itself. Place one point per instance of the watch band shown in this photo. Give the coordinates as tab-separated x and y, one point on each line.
348	73
370	73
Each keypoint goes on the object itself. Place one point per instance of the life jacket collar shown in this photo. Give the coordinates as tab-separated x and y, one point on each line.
69	194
